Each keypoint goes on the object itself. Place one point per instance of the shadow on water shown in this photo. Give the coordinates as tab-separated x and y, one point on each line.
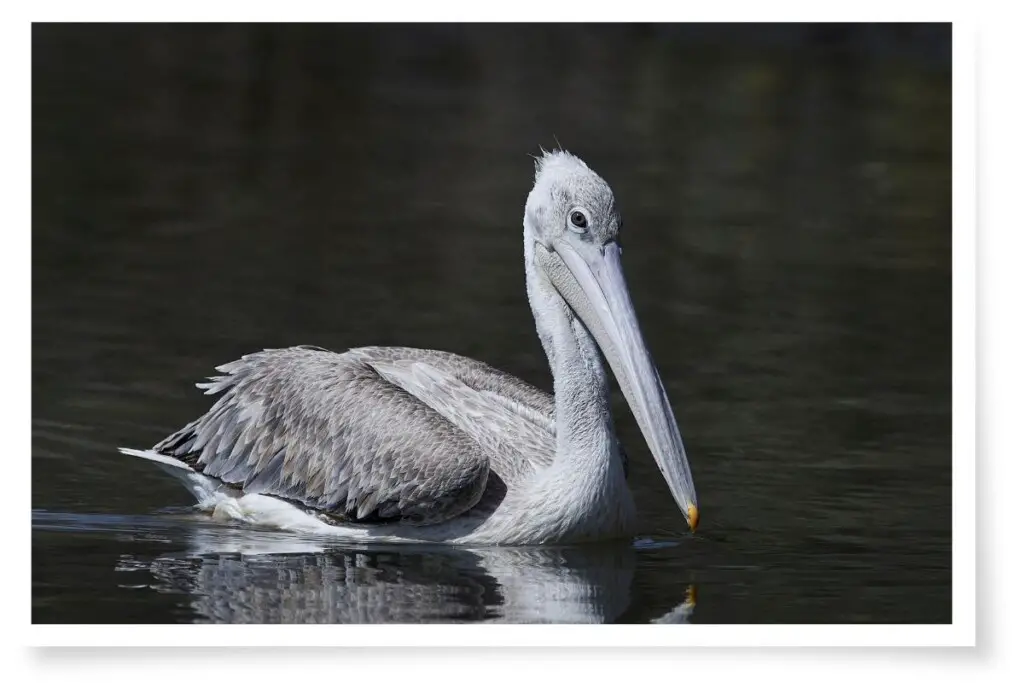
201	192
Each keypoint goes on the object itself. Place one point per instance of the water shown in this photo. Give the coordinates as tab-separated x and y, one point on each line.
203	192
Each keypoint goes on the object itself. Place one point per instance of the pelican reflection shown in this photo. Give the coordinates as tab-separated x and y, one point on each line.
235	575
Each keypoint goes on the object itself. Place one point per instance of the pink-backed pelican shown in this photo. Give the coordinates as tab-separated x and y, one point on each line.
401	444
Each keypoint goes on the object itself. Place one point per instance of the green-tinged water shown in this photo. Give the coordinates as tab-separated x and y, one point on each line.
204	192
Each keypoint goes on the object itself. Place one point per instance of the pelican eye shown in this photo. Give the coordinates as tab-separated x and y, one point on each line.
577	221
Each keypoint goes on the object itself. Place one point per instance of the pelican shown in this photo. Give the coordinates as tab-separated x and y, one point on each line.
411	445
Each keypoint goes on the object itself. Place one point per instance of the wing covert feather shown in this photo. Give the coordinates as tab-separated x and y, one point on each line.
326	430
528	412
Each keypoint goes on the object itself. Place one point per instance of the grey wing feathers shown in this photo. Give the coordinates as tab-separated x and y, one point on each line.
517	443
476	375
532	427
326	430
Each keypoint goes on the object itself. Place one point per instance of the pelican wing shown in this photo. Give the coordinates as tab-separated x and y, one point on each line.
328	431
513	420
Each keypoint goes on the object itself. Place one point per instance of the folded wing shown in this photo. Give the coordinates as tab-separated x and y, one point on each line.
328	431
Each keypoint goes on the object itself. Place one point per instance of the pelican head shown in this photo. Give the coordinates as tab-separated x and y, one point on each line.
572	225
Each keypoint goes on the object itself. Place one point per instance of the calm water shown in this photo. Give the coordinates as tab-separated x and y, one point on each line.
199	193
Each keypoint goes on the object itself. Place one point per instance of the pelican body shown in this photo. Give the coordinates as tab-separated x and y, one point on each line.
402	444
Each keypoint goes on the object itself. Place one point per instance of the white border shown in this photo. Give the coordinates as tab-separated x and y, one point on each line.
961	632
505	635
522	10
964	330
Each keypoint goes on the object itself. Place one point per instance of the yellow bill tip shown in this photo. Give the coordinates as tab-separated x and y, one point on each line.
692	516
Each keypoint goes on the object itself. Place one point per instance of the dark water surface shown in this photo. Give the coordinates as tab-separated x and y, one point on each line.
200	193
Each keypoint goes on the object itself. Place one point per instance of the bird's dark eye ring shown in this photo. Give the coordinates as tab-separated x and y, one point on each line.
578	219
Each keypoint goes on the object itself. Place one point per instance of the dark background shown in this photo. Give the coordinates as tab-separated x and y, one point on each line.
200	192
